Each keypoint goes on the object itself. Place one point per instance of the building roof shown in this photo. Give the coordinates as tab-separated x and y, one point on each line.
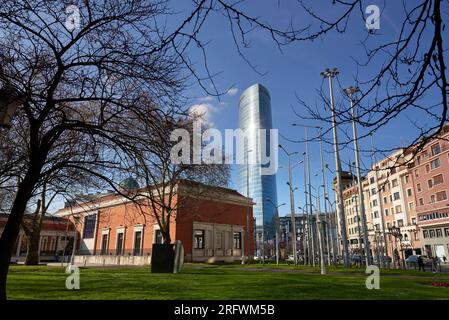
184	188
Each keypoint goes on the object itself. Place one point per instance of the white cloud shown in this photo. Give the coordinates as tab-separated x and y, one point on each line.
207	99
232	92
203	111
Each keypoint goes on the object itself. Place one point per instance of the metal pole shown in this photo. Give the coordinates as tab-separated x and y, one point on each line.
323	181
309	233
310	195
330	74
383	241
292	210
277	236
247	211
319	229
351	91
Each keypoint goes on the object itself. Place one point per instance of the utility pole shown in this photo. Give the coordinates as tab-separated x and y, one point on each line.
351	91
331	74
292	204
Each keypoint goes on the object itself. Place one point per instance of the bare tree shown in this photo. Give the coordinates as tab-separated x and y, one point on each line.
399	79
109	66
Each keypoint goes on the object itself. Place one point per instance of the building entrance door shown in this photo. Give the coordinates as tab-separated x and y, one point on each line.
439	251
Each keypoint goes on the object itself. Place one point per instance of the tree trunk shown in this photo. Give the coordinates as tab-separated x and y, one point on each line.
12	227
32	258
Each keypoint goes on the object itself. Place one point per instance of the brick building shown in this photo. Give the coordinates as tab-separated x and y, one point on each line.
55	242
430	175
211	224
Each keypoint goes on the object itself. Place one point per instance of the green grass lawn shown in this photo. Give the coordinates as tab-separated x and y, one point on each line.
198	281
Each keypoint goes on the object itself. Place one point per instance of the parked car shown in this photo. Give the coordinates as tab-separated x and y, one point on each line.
412	261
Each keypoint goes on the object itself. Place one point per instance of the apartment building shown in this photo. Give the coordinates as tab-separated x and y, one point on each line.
429	173
390	208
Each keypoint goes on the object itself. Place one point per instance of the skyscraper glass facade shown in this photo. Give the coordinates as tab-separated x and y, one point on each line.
255	113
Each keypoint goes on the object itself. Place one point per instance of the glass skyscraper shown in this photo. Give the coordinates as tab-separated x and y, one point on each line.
255	113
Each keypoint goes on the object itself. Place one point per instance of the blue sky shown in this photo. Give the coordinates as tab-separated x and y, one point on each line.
295	71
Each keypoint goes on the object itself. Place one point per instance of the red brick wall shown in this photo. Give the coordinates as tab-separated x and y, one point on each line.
213	212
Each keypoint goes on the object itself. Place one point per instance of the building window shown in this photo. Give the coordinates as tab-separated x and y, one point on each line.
426	234
435	163
120	243
441	196
373	191
421	201
137	243
446	232
411	206
386	212
104	244
407	179
89	226
416	173
371	180
374	203
438	179
376	214
432	198
435	149
429	183
409	192
398	208
400	223
427	168
198	239
418	187
396	196
432	233
237	240
439	233
395	183
414	221
385	200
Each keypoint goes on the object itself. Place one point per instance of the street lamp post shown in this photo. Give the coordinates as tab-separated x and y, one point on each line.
331	74
247	210
292	203
304	235
319	225
277	227
351	91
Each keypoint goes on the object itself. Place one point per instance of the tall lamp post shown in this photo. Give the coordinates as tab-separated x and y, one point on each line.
350	92
292	203
319	230
276	225
247	210
330	74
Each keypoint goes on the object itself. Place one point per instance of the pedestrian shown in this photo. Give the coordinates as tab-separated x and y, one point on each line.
444	259
421	264
435	264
